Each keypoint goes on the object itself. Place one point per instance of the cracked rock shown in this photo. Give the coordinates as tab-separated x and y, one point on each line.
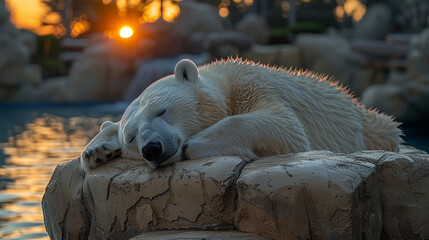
310	195
198	235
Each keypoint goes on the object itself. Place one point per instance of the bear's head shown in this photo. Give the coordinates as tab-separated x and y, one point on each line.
157	124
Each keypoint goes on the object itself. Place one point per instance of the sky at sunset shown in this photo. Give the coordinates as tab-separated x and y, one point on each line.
27	14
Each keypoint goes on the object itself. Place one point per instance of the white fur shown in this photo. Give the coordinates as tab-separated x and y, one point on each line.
186	70
241	108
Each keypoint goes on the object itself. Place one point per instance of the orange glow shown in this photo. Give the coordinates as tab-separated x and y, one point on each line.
126	32
223	12
285	5
151	12
339	13
27	14
133	3
350	8
79	25
248	2
121	5
170	11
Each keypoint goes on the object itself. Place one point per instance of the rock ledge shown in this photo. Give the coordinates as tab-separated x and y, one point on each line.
310	195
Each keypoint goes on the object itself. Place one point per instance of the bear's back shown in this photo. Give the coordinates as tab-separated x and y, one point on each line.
332	119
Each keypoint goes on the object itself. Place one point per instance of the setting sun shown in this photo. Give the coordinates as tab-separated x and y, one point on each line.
126	32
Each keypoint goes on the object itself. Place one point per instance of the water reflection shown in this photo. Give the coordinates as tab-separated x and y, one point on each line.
31	153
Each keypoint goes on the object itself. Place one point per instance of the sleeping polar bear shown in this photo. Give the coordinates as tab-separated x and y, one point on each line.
239	108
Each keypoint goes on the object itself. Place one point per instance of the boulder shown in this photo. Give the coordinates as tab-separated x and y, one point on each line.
311	195
318	194
50	90
199	17
255	27
124	198
375	24
287	56
405	95
197	235
16	46
332	55
150	70
102	73
406	100
418	57
402	180
226	44
72	219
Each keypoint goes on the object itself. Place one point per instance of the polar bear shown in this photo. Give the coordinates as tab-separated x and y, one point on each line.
239	108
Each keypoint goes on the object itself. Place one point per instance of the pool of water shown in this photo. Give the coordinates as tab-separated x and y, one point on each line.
34	139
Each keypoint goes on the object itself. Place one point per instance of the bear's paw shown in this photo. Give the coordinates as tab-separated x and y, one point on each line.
97	155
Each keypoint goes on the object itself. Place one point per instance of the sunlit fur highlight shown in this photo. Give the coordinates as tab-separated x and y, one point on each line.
314	112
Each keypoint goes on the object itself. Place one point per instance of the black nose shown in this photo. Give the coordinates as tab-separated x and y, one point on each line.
152	151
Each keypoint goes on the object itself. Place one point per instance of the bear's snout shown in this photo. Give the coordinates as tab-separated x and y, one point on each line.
152	151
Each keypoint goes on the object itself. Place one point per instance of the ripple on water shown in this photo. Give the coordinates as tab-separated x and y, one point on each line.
31	153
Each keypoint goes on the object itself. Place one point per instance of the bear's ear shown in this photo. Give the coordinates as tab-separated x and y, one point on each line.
186	70
107	124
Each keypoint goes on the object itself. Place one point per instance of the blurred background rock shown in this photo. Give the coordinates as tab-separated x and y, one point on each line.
71	51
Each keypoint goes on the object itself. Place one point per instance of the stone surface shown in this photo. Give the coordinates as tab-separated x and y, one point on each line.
332	55
405	95
197	235
124	198
255	27
102	73
65	206
51	90
404	192
226	44
418	57
287	56
375	24
318	194
153	69
199	17
105	69
311	195
16	46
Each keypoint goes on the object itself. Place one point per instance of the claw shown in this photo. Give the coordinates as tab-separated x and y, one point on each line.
98	155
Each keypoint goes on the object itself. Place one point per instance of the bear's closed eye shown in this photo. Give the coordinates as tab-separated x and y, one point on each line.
161	113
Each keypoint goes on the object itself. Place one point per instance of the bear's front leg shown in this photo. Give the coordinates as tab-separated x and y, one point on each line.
265	132
103	147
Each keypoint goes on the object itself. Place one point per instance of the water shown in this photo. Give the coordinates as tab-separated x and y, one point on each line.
33	140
